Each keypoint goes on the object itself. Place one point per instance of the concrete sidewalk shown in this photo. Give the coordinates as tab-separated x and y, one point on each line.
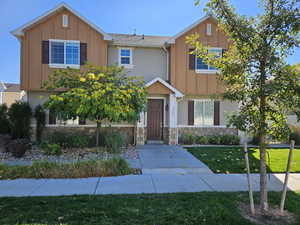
138	184
166	159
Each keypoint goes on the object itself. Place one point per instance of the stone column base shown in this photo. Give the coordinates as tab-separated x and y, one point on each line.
173	136
140	135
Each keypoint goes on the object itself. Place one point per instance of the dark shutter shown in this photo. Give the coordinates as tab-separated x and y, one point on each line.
223	51
216	113
83	53
191	113
52	117
45	52
192	59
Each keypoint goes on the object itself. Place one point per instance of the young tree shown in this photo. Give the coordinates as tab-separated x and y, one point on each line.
97	94
254	70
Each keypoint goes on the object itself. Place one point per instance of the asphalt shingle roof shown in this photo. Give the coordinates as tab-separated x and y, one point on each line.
138	40
11	87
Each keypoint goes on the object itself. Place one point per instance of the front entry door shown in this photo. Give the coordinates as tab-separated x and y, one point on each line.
155	119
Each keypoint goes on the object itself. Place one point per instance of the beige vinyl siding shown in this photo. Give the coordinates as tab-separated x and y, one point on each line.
147	62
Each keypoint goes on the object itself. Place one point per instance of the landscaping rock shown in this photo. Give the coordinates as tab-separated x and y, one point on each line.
4	140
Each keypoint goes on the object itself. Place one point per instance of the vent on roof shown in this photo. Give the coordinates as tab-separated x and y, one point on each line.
65	20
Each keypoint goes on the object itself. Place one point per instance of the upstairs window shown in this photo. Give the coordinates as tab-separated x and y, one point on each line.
125	57
65	20
202	67
64	53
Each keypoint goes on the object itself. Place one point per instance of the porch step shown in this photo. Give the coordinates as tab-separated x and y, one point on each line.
177	171
155	142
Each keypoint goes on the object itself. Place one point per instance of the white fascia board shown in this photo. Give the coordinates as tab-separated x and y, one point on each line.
19	31
178	94
173	39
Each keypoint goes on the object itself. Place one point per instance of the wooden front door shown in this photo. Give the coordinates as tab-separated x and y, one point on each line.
155	119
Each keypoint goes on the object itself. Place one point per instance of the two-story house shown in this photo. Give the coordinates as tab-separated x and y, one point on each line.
184	92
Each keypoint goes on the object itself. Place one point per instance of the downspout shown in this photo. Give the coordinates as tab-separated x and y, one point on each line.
167	70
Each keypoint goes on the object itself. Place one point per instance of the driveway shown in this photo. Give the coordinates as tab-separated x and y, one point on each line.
166	159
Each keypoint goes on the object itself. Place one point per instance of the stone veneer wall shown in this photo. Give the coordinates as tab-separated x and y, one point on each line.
205	131
85	130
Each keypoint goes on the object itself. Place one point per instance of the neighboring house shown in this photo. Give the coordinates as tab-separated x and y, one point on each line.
184	92
10	93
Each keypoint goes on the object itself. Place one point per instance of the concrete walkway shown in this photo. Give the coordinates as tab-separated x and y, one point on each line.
138	184
166	159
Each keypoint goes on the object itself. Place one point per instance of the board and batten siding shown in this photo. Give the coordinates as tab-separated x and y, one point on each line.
33	72
182	76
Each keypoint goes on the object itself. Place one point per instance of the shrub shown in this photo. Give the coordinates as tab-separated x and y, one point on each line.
4	140
79	169
188	139
18	147
40	116
78	141
113	141
68	140
19	115
50	149
214	139
202	140
295	134
229	139
4	122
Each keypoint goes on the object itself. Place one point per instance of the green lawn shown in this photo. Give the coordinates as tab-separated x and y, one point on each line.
231	159
161	209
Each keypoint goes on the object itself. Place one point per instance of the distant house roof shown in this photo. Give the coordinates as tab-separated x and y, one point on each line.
138	40
11	87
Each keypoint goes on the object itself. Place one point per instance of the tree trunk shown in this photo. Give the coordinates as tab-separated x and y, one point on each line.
263	175
98	133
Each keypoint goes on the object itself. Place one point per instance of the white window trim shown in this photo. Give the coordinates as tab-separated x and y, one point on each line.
63	66
203	100
127	66
207	71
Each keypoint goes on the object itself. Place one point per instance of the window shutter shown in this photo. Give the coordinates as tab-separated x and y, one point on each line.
223	51
192	59
83	53
217	113
191	113
45	52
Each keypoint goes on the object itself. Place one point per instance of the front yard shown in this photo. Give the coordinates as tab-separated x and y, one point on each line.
173	209
231	159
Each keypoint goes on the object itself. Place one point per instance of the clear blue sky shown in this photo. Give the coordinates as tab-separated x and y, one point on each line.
154	17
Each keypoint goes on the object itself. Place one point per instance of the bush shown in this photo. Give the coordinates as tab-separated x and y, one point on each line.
4	122
19	115
214	139
229	139
295	134
79	169
18	147
40	116
68	140
202	140
113	141
50	149
188	139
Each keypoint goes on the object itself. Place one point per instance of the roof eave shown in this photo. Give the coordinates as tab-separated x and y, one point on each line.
20	30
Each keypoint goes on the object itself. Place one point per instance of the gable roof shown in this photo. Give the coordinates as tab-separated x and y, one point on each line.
177	93
173	39
20	30
138	40
11	87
